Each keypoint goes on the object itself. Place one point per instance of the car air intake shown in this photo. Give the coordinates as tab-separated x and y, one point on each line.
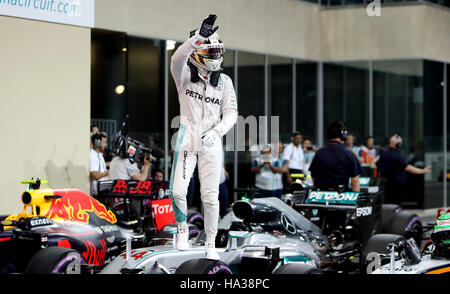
255	212
243	209
26	198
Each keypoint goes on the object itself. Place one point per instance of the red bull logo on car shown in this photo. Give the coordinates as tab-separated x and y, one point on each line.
74	205
94	255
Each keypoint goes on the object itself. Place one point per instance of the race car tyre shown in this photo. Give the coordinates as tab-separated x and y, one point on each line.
297	269
203	266
194	217
388	211
407	224
55	260
378	244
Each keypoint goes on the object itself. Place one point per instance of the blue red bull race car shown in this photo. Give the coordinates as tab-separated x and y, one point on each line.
68	231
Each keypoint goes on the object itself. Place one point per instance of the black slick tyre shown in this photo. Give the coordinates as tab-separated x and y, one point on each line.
54	260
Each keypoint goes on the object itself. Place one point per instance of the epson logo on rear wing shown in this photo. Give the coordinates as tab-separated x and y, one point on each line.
332	197
364	211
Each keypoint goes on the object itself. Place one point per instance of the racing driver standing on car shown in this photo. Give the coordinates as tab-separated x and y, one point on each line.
208	110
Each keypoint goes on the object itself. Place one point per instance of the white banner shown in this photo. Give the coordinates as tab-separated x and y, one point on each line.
72	12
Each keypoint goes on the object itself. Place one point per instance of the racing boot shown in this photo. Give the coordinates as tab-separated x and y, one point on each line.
182	236
210	249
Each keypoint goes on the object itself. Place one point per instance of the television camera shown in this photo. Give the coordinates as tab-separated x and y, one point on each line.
126	147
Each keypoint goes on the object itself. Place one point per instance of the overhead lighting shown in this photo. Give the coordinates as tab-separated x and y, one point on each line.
124	49
170	45
119	89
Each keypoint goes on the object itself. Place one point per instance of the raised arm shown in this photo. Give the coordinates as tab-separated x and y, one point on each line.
180	57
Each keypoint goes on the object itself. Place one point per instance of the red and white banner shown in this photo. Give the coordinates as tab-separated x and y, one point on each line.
163	212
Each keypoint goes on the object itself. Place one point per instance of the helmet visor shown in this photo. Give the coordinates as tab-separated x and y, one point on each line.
211	52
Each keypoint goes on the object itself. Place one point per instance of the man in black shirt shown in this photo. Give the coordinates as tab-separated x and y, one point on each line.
334	164
393	167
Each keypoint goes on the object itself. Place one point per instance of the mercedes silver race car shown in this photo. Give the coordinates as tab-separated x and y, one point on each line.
262	236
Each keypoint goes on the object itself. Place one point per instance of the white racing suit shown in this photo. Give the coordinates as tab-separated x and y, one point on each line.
201	108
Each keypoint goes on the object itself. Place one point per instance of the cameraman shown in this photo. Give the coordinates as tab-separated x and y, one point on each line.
122	169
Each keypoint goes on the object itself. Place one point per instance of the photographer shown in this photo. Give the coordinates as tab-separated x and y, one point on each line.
309	151
269	170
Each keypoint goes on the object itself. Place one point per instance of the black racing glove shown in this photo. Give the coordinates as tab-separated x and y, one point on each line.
207	29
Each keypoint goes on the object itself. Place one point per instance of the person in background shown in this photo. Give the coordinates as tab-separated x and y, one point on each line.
157	175
334	164
97	165
278	154
94	130
393	167
107	153
350	144
309	151
269	170
368	153
293	154
122	169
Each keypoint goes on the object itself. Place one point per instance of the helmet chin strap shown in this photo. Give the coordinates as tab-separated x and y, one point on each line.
204	74
212	76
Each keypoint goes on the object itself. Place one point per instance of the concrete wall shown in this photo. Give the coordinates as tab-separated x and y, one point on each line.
400	32
283	27
291	28
436	33
44	106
